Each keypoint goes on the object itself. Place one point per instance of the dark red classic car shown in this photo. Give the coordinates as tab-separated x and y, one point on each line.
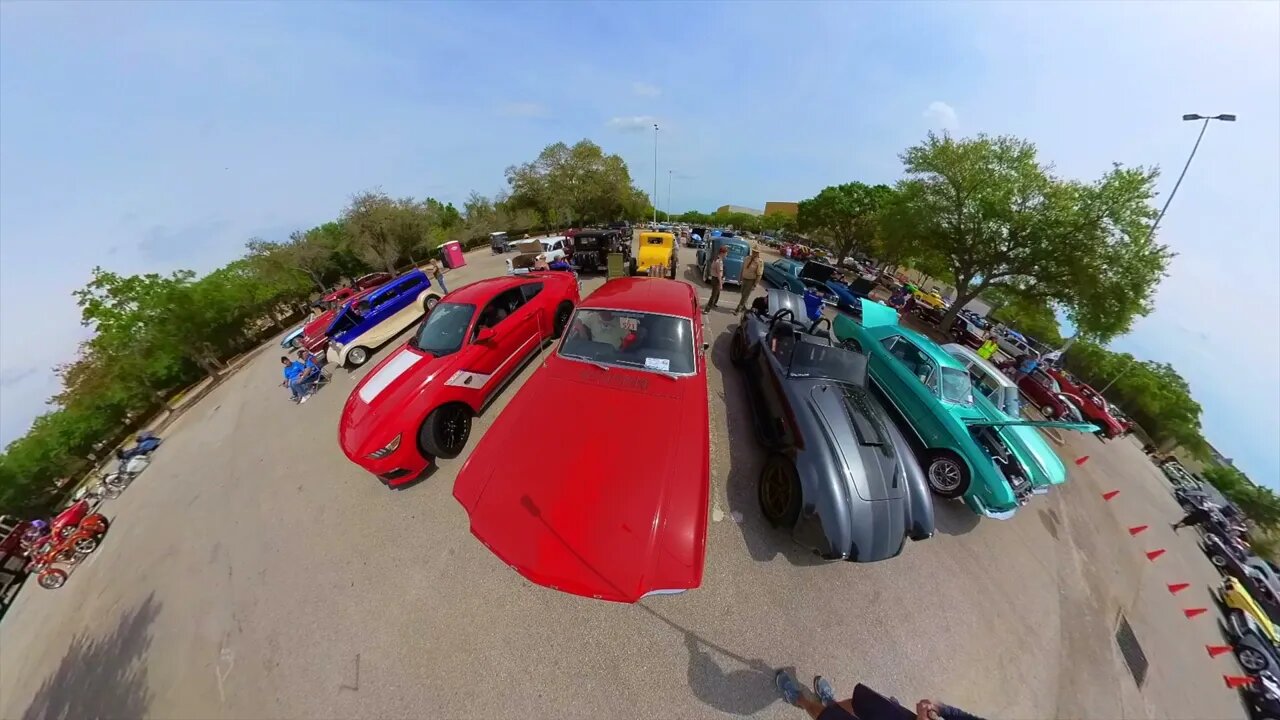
619	511
1092	405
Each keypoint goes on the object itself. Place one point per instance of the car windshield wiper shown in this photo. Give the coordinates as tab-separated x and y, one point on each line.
585	359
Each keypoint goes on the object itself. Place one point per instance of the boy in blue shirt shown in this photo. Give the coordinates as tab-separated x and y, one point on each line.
293	377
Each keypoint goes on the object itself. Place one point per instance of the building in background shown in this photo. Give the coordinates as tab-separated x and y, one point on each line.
782	208
737	209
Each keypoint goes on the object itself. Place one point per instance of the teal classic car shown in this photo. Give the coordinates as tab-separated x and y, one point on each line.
969	447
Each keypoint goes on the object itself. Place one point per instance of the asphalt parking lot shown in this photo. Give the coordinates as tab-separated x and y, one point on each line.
252	571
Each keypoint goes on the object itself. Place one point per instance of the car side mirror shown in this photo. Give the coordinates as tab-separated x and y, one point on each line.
485	334
705	346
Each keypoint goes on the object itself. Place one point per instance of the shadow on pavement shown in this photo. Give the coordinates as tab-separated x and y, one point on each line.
745	459
741	690
953	517
101	677
1050	520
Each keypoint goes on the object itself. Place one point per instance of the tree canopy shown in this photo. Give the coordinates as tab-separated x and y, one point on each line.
990	214
576	185
846	216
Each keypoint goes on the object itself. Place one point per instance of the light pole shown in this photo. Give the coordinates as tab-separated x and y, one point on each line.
1205	126
655	173
669	172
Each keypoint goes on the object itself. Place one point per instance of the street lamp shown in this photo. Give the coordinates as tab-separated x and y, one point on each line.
655	173
1205	126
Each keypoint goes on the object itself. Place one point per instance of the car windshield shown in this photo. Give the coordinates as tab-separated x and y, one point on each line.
626	338
956	387
737	250
445	329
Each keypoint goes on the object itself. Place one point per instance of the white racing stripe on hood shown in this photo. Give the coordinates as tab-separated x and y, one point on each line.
395	367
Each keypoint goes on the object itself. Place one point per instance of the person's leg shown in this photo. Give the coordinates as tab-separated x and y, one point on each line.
715	294
748	286
798	695
443	288
294	389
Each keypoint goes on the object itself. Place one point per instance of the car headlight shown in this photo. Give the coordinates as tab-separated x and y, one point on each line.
386	449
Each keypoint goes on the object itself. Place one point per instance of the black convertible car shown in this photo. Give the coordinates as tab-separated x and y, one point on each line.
840	476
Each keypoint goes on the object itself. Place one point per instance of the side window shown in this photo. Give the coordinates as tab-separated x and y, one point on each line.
529	290
557	245
500	308
390	294
915	361
889	342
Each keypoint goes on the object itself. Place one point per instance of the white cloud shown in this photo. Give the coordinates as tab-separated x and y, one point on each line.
524	109
941	115
646	90
633	123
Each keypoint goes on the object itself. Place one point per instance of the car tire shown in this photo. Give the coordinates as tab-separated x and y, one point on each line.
635	267
851	344
563	312
778	491
1218	561
671	271
430	302
357	356
85	545
1049	412
947	474
445	432
1252	660
52	578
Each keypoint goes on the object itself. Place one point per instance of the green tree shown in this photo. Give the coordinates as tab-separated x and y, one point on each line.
1260	504
846	217
991	214
577	184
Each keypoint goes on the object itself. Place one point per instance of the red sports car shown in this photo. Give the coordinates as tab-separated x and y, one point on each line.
1092	405
418	403
619	511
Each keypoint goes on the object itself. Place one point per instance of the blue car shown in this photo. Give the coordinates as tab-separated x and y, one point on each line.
796	276
739	249
294	338
369	322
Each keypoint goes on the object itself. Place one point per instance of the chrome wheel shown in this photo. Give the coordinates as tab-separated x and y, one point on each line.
431	302
1251	660
945	475
357	356
52	579
85	545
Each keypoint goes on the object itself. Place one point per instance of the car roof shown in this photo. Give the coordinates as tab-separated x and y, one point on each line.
929	347
481	290
655	295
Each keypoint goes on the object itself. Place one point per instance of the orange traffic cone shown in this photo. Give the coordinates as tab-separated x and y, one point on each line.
1176	588
1235	682
1136	529
1216	650
1110	494
1192	612
1082	459
1155	554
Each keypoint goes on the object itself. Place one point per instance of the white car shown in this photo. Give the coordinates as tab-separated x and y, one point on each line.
551	248
996	386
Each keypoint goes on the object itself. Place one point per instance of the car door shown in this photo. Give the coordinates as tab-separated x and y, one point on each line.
404	310
916	376
515	335
538	307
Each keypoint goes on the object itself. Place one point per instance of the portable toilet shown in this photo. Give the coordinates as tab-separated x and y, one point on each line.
452	254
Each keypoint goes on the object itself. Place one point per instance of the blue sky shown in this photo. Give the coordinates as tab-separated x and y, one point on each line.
163	135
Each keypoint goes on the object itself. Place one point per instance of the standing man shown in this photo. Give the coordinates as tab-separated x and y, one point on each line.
716	277
750	274
988	347
437	274
1027	364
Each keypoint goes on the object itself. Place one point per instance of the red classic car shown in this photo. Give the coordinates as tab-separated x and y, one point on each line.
1092	405
1044	392
619	511
418	403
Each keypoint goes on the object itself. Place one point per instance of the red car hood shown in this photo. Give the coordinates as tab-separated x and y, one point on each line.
613	505
385	401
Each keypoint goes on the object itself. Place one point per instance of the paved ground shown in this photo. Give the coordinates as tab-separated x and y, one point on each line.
252	571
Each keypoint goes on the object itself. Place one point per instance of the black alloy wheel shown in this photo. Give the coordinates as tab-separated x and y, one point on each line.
779	492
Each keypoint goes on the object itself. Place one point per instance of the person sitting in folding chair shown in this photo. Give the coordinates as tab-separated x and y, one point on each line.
312	376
